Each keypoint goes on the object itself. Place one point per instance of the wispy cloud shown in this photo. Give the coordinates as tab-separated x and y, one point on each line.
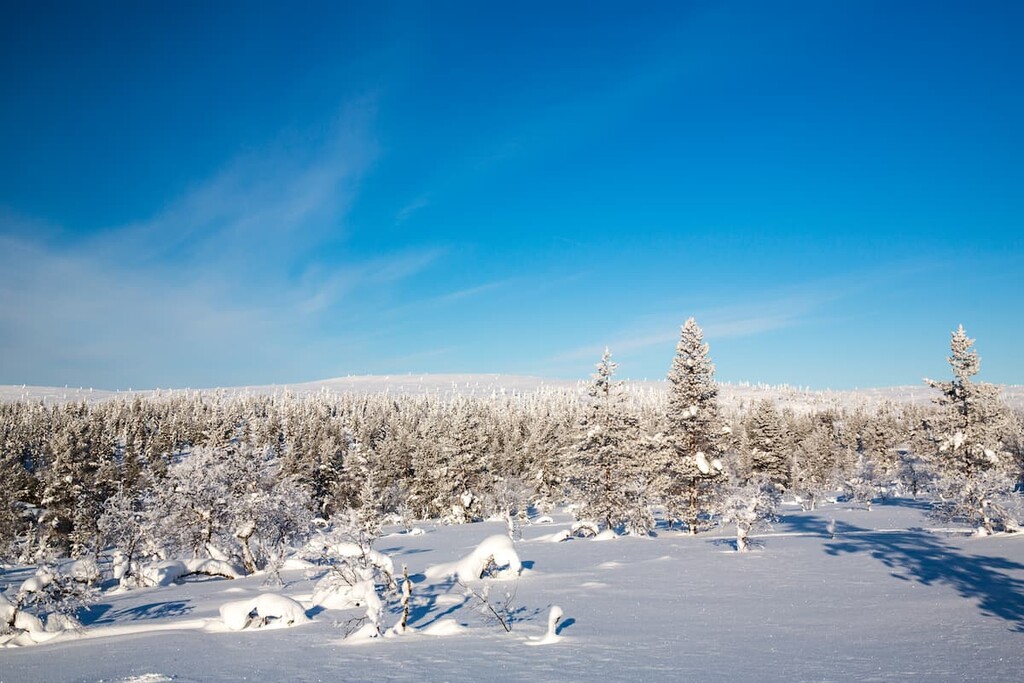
470	292
225	277
406	212
774	311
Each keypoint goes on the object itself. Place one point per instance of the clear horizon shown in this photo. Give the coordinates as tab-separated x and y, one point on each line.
250	195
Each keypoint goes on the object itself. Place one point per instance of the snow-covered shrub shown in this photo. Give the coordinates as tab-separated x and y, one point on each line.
167	572
357	577
495	557
49	594
267	609
84	570
123	527
405	602
228	499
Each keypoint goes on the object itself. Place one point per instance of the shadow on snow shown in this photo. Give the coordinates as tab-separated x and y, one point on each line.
918	555
102	614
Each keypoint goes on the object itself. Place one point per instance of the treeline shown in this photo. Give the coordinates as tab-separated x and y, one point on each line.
244	478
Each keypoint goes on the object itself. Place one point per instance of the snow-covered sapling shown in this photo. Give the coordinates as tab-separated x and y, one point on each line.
406	600
500	610
750	507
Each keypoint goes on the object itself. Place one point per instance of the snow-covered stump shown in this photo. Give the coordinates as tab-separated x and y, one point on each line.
551	636
742	531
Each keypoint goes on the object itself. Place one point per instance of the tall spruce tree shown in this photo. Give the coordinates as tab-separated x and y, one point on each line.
975	468
694	430
600	461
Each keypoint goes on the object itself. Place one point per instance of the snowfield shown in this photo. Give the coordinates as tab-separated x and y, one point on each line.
890	598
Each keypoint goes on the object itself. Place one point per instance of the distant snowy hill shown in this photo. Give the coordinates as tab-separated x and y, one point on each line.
732	395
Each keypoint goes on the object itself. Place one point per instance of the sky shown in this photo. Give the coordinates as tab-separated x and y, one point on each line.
254	193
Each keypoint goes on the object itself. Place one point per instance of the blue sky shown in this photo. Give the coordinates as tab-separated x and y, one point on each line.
266	193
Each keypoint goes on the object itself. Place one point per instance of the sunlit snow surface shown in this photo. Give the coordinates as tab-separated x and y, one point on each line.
891	598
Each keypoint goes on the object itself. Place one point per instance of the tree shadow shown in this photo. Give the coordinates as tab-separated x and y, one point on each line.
564	624
753	543
92	613
910	503
154	610
916	555
425	601
399	551
811	524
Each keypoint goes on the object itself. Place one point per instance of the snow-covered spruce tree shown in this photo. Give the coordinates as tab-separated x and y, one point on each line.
976	471
880	441
465	464
694	432
69	481
598	464
768	445
815	465
544	442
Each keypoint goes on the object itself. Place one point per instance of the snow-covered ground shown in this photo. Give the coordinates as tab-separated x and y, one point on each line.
890	598
731	395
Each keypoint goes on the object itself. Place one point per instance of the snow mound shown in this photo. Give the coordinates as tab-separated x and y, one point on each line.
84	570
444	627
296	563
269	608
28	627
495	557
557	537
37	582
367	631
584	529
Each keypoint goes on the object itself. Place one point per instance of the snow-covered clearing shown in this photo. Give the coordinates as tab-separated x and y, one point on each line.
887	599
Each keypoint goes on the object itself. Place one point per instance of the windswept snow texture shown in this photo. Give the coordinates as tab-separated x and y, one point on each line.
889	599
